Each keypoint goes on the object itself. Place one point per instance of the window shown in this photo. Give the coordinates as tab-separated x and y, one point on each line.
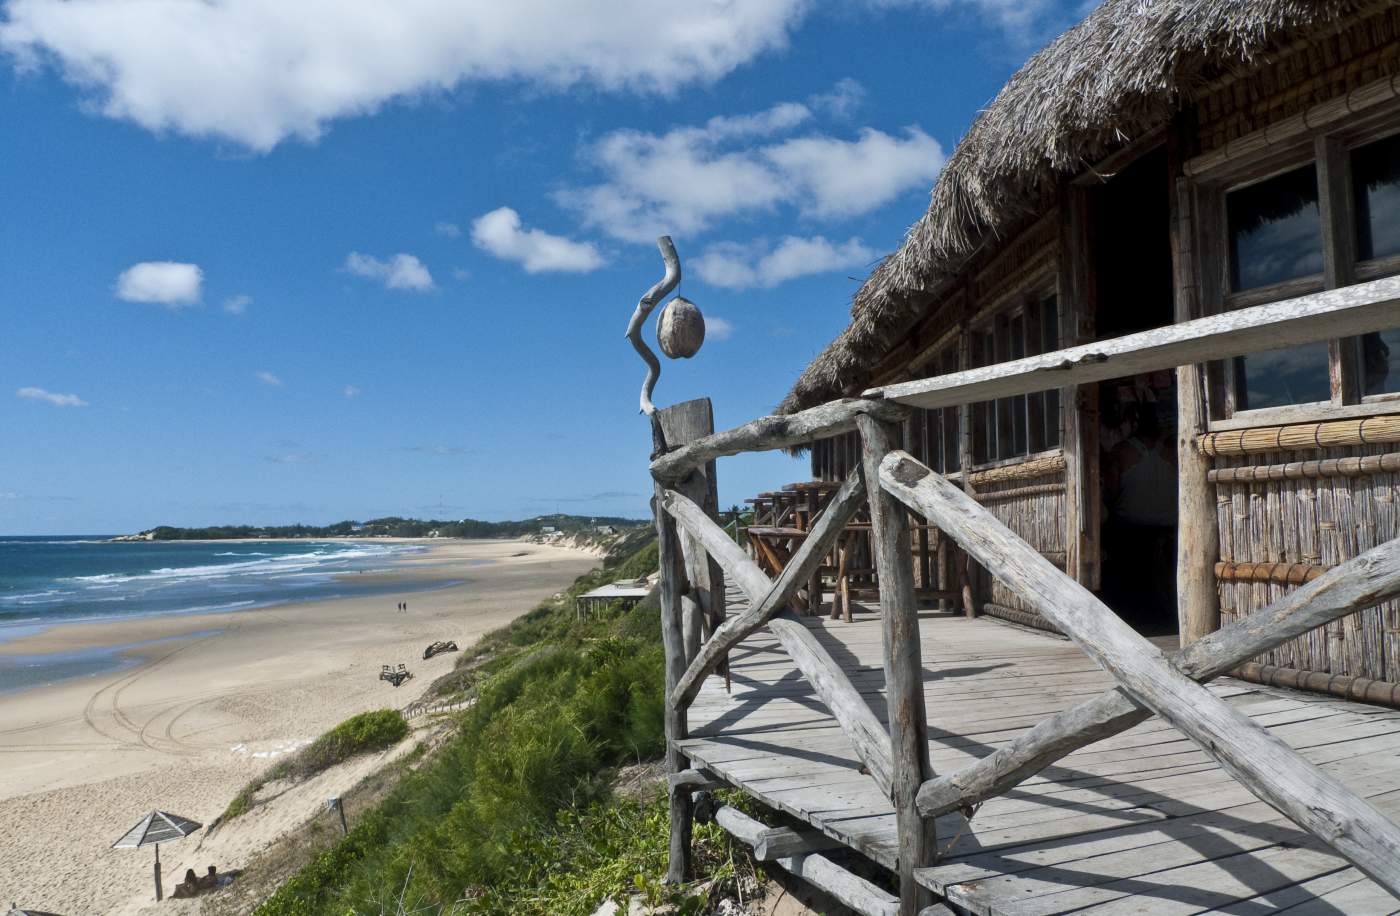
1275	233
1375	181
1327	215
936	431
1375	188
1275	230
1017	426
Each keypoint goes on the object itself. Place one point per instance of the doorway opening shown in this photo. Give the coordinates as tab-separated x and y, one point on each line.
1132	291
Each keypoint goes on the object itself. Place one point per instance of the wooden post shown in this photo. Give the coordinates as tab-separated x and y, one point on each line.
1197	529
672	427
680	425
904	683
967	573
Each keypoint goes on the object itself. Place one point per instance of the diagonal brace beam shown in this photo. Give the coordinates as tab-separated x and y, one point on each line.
858	722
1260	761
1358	584
842	507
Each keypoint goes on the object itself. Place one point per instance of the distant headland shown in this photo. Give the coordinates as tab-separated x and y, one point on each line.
545	525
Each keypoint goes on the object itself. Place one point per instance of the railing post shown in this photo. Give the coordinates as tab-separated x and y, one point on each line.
684	561
899	621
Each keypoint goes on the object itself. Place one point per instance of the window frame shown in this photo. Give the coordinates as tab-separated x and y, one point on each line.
1329	150
997	417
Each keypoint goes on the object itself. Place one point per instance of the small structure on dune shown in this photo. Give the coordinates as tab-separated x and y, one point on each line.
1130	380
629	592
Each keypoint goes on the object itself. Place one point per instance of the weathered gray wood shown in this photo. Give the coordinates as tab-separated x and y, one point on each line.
858	723
1363	582
899	619
862	728
1265	765
694	778
679	424
1358	309
851	890
842	507
644	307
671	564
773	432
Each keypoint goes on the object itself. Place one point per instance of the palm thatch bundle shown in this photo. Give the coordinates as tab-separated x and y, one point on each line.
1117	77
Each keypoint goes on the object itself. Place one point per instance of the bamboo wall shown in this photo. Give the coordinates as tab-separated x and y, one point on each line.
1314	522
1328	66
1036	513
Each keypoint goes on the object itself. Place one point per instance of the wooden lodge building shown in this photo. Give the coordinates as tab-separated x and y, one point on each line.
1159	162
1133	378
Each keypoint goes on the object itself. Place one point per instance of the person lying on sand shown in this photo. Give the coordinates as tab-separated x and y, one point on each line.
188	887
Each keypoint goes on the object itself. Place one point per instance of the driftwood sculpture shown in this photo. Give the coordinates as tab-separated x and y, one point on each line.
680	327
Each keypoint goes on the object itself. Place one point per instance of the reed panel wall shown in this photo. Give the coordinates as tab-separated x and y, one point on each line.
1316	521
1326	67
1037	515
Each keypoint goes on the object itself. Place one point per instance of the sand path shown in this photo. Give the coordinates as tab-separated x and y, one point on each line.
83	760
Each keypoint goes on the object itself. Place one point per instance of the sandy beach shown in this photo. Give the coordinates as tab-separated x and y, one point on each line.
215	699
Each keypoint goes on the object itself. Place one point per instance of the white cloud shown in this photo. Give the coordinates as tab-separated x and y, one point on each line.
353	391
500	233
168	283
685	180
268	378
402	271
447	230
1023	22
843	99
831	177
58	400
259	71
293	458
237	305
737	266
717	328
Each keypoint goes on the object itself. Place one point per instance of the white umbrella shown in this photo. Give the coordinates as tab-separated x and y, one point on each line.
156	828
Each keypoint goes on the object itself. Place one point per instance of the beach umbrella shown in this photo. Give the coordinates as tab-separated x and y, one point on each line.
156	828
17	910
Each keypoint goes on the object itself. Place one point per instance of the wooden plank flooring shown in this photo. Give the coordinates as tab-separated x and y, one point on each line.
1141	823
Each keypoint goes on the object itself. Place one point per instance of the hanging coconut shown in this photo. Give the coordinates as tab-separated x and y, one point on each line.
680	328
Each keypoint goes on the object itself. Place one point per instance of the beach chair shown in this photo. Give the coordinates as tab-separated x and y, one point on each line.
395	676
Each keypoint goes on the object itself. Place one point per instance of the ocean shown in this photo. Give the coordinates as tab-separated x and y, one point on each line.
53	580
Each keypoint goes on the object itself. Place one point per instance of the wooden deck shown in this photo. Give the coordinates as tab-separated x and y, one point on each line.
1141	823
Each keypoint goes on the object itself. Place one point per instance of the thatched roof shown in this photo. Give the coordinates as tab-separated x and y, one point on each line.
1116	77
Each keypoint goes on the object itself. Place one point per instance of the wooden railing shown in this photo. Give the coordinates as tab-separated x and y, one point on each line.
698	636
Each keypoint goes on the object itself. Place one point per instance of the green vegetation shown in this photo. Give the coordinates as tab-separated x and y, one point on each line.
399	527
360	734
513	814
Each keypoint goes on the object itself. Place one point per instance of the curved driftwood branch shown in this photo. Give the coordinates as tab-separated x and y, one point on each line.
644	307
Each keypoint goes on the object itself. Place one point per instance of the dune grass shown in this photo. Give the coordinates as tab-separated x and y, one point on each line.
359	734
514	814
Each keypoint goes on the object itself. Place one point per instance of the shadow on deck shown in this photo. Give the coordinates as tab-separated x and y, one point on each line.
1143	822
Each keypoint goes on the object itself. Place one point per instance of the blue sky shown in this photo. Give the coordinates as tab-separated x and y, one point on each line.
266	262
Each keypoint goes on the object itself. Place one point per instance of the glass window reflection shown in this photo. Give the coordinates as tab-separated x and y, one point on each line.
1375	177
1275	230
1296	375
1380	354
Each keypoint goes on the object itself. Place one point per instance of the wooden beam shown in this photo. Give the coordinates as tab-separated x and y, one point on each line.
842	507
1260	761
860	725
904	681
1198	531
704	604
1358	309
773	432
1360	583
849	889
672	566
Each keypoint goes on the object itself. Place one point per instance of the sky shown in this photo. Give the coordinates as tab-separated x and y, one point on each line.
265	263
